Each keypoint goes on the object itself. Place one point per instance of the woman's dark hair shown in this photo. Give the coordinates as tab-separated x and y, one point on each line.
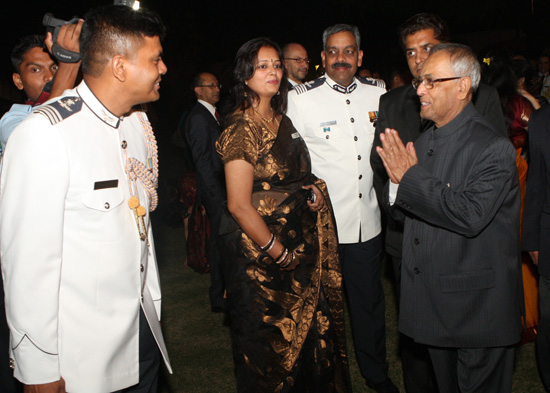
241	96
522	69
496	71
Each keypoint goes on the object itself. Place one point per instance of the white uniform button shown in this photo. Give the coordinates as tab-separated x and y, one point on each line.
124	144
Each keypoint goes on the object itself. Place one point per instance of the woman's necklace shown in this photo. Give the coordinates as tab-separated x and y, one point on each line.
265	120
268	124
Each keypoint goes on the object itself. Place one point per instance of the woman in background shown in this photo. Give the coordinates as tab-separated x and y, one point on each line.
280	264
517	105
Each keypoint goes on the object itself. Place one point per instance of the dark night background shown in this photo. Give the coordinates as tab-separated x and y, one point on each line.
204	35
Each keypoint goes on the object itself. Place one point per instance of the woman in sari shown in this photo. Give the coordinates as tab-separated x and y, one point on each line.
279	246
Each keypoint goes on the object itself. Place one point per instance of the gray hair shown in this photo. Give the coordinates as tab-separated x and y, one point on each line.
339	28
463	61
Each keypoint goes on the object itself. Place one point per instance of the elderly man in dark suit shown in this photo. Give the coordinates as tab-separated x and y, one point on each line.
457	190
201	132
400	110
536	227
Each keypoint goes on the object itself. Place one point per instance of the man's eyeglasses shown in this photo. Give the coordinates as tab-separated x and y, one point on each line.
299	60
212	86
429	82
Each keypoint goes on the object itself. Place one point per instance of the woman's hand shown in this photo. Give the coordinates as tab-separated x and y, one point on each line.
293	264
319	198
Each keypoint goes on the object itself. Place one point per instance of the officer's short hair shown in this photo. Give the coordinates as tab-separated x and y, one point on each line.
338	29
115	30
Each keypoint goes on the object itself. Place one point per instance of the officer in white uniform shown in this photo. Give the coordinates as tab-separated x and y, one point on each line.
77	185
335	115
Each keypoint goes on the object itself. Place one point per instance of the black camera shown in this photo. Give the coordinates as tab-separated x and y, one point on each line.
53	25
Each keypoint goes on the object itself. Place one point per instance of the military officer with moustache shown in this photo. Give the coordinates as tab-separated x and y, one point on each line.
335	115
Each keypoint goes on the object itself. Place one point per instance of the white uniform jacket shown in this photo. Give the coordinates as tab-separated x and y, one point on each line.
337	124
75	271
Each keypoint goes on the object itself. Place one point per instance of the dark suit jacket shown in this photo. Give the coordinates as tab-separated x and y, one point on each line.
201	132
536	216
400	109
461	270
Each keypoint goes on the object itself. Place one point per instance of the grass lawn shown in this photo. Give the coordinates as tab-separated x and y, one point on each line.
200	347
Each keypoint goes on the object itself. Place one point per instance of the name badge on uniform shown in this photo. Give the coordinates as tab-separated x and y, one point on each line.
326	125
101	185
296	135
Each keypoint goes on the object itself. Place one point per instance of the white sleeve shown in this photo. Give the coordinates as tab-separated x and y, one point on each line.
33	183
293	112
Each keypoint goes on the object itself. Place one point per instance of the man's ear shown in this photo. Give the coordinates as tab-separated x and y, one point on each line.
323	58
464	86
359	58
17	80
119	66
197	92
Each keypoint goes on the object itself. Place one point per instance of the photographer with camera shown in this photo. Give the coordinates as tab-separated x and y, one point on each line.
39	74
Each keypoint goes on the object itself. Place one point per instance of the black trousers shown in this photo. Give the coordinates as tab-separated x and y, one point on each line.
217	288
418	372
363	286
149	360
543	332
473	370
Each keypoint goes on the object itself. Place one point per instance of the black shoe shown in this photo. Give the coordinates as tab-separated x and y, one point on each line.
385	386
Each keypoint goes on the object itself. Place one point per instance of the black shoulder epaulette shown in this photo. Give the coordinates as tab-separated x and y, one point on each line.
61	109
372	82
309	85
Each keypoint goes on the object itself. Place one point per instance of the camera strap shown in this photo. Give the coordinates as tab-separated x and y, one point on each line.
63	55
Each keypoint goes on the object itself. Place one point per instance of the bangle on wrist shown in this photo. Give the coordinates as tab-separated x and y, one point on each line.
269	244
289	259
282	257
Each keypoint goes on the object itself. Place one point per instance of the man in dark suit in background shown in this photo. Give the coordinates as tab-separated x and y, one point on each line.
400	110
201	132
457	190
536	227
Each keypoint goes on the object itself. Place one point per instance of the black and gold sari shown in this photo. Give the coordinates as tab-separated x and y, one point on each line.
287	326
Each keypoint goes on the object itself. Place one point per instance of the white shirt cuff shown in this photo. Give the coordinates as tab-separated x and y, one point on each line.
393	192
